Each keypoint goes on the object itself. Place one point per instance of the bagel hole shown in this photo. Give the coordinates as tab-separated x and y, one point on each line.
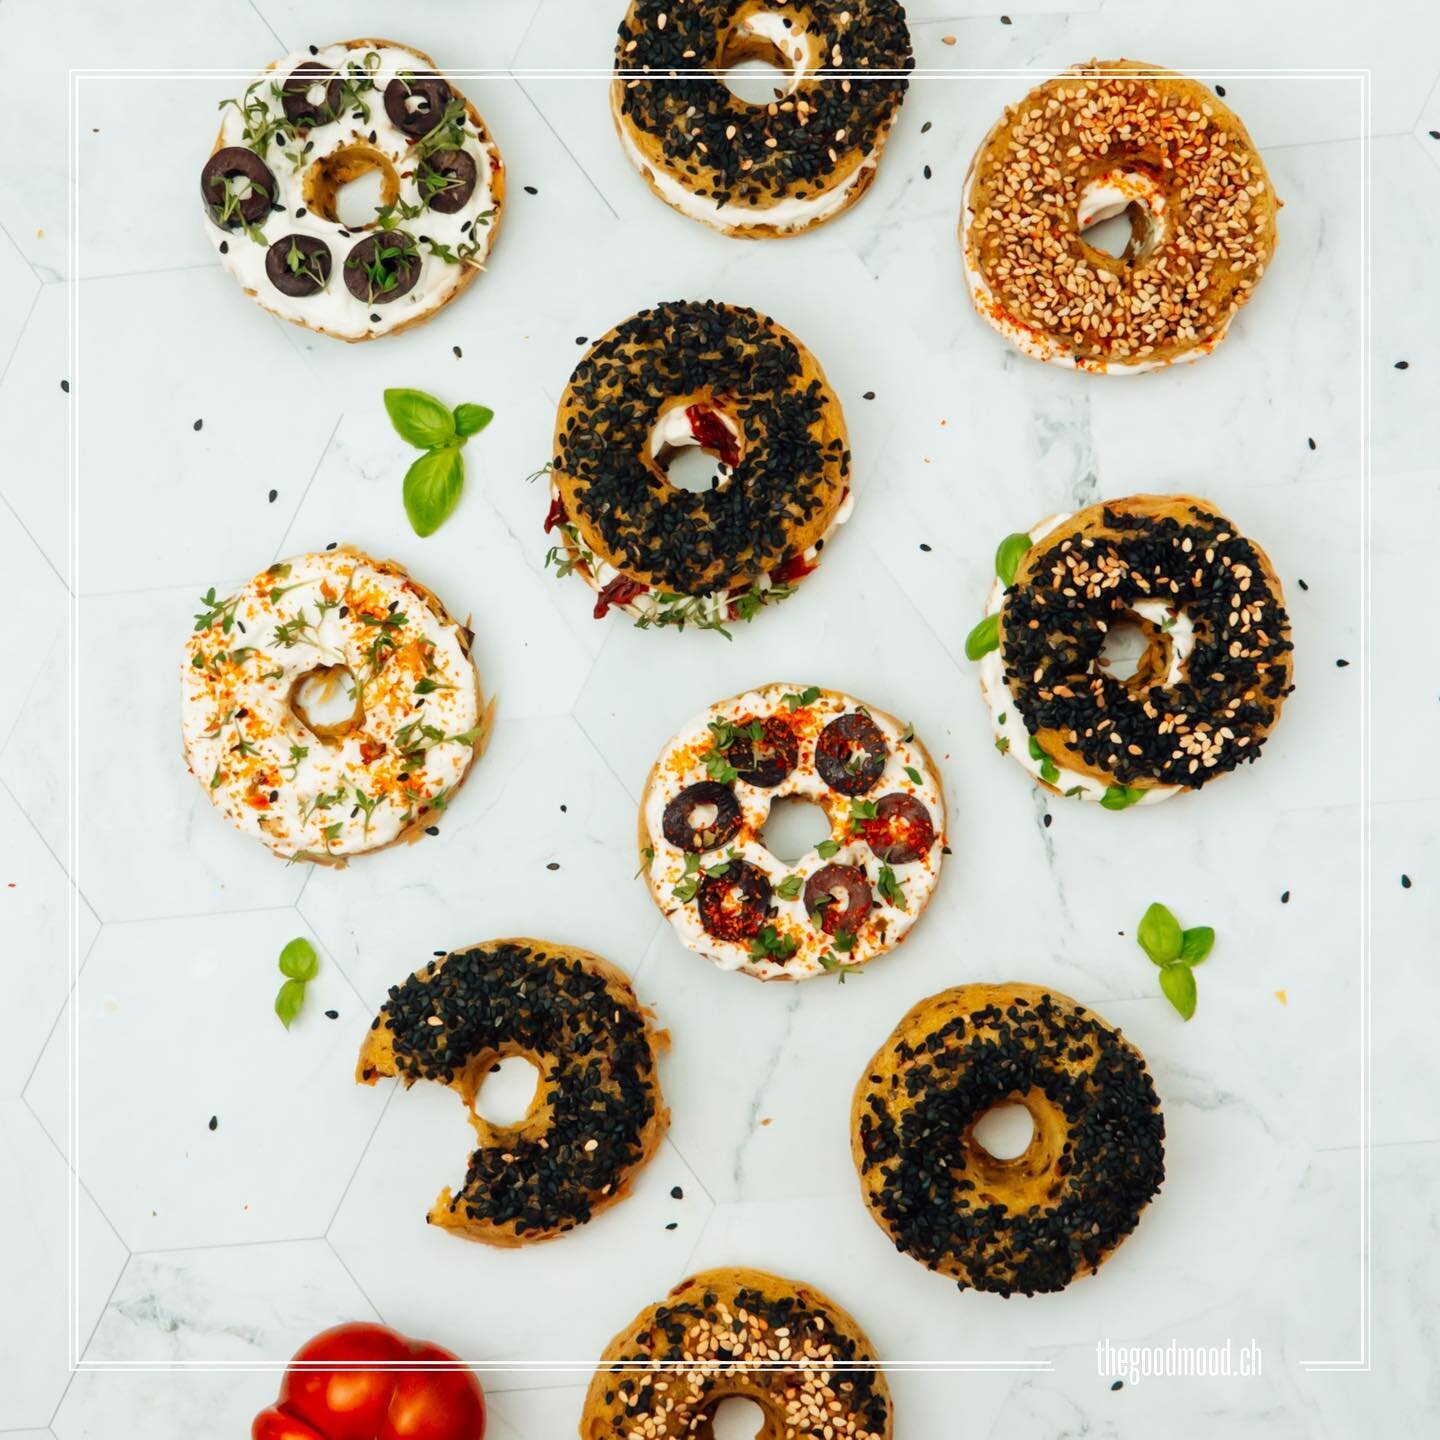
793	828
1124	648
688	467
1004	1132
736	1417
1112	234
507	1093
758	80
350	184
326	701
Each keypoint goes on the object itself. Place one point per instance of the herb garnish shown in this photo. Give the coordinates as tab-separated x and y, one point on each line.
433	483
984	638
808	696
299	963
1175	951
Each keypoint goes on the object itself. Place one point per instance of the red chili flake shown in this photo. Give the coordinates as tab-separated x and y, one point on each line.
555	515
371	750
792	568
713	434
620	591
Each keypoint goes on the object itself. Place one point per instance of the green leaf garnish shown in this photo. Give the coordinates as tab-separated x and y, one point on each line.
1009	555
769	944
914	774
1121	797
826	848
432	489
1158	934
984	638
299	963
808	696
472	419
1049	770
891	889
420	418
1177	980
789	887
1196	944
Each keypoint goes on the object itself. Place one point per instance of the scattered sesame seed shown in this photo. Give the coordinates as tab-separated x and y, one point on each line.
531	190
925	547
1404	882
65	386
432	829
1311	442
214	1122
553	865
1341	664
676	1193
198	424
1402	364
332	1014
273	496
457	351
1285	897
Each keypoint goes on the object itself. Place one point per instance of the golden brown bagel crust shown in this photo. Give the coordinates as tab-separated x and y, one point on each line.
497	190
1058	297
1028	1224
617	369
721	1333
379	1059
1274	671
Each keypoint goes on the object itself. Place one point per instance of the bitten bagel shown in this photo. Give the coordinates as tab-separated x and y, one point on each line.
1107	138
597	1115
737	1332
1209	686
1029	1224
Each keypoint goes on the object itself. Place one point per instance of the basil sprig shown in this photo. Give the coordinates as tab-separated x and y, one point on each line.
299	962
1009	554
1175	951
984	638
434	482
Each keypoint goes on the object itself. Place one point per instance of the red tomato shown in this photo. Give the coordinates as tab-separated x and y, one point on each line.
350	1383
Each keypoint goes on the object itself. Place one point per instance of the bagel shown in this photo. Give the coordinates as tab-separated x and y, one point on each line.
759	170
1034	1223
597	1115
1209	687
738	1332
841	904
1103	139
312	779
308	126
744	389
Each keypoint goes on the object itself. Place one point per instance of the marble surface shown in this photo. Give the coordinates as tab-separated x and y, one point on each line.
199	1257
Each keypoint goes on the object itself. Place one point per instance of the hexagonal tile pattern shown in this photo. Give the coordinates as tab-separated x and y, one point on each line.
174	1022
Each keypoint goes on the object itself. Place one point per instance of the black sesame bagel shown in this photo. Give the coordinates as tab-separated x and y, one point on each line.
597	1115
1209	687
1104	139
744	389
759	170
738	1332
1034	1223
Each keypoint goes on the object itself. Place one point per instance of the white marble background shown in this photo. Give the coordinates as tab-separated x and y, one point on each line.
304	1206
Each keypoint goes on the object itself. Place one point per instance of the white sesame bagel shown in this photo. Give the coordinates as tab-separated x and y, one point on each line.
740	1332
759	170
310	124
1107	138
847	900
261	665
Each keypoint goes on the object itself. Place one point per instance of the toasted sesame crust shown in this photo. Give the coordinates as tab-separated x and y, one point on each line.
1036	1222
729	1332
521	1147
1058	297
601	445
1186	529
497	191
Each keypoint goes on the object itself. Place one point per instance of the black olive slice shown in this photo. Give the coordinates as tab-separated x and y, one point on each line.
298	265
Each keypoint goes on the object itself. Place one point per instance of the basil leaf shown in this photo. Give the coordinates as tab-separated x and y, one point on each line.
289	1001
984	638
826	848
298	960
432	489
1009	555
419	418
1121	797
914	774
1159	934
472	419
1196	944
1177	980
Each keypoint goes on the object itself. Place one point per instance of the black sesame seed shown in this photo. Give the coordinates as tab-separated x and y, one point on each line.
925	128
1311	442
1285	898
1118	1384
432	829
1049	818
1341	664
1404	882
1402	364
1220	91
331	545
65	386
274	494
214	1121
927	172
925	547
531	190
332	1014
868	395
1303	585
676	1193
1005	20
456	349
224	247
672	1225
582	340
553	865
375	318
199	424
